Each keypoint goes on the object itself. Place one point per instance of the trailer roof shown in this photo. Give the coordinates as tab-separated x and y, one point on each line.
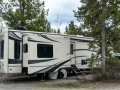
73	37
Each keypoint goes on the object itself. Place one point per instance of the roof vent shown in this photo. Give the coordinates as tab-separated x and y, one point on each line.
20	28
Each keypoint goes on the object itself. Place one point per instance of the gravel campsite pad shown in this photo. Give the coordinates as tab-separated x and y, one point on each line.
71	83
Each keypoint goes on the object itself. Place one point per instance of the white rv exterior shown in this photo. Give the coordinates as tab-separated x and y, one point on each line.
32	52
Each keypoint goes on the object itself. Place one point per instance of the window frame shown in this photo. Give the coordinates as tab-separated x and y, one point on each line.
2	49
17	49
71	48
45	53
25	48
83	62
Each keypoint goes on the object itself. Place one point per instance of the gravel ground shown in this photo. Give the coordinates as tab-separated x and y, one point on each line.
25	83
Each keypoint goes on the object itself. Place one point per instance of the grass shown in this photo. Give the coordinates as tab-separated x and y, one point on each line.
81	84
65	85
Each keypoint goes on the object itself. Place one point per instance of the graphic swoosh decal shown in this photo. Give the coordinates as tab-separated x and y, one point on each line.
14	38
45	37
32	40
83	49
40	61
14	35
14	61
57	66
78	57
52	67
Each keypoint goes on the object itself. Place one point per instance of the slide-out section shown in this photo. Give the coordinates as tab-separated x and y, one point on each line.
47	53
14	52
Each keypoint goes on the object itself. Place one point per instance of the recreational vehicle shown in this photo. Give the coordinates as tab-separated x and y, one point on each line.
31	52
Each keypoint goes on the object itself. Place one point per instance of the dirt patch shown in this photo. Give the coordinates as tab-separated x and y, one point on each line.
81	84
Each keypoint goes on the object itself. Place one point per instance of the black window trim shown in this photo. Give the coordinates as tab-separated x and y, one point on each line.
25	48
2	49
45	55
17	49
71	48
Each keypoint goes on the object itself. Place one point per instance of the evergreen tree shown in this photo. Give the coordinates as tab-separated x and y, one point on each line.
28	13
101	19
58	31
91	14
73	29
55	31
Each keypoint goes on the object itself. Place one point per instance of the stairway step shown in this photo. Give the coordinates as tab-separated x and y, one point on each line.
74	67
77	71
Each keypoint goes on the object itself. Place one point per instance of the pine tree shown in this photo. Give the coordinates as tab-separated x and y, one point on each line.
28	13
73	29
100	17
90	14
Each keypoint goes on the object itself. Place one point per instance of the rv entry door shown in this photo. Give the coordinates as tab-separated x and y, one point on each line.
72	53
24	52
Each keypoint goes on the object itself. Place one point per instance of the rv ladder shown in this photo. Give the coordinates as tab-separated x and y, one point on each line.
77	71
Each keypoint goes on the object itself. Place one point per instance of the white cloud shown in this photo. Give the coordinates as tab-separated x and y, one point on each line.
64	8
61	5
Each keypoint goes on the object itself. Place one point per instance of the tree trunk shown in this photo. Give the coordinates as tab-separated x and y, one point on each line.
103	37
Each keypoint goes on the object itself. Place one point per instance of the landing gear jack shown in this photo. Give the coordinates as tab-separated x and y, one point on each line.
42	80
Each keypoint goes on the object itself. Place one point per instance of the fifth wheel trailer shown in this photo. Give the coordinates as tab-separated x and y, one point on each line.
31	52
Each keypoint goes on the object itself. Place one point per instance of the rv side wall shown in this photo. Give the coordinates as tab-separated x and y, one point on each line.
6	43
82	52
15	52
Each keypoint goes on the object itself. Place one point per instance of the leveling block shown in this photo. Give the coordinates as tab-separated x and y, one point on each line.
42	80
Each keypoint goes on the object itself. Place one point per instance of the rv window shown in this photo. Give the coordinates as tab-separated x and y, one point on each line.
83	62
71	48
25	48
1	49
17	49
44	51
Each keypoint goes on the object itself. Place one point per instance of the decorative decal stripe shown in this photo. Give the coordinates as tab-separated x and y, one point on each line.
14	61
13	38
40	61
45	37
78	57
72	36
81	40
68	53
57	66
83	49
44	70
51	68
37	41
14	35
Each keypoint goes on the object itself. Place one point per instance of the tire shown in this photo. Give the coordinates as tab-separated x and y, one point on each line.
53	75
60	75
64	73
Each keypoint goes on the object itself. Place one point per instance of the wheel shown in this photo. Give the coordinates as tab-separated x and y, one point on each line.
64	73
53	75
60	75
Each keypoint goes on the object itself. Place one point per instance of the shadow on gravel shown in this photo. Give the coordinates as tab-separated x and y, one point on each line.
27	79
20	79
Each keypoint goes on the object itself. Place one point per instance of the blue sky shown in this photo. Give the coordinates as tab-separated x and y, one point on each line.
61	10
